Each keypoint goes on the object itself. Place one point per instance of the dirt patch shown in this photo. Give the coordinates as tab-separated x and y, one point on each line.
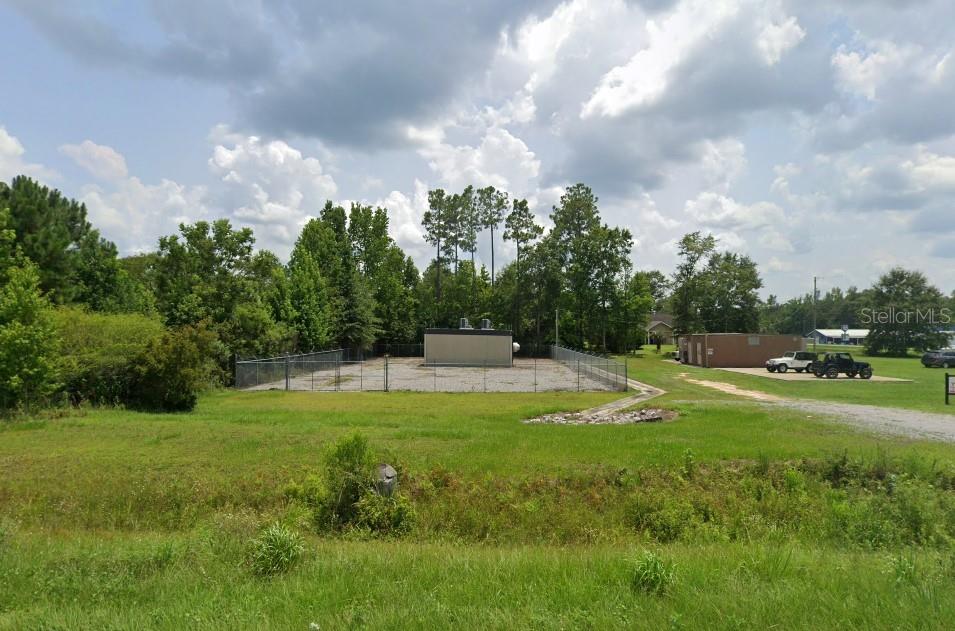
792	375
729	388
644	415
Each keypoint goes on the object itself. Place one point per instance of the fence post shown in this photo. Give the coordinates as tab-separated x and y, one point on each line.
286	373
338	376
361	376
485	375
626	376
386	373
578	375
535	374
435	377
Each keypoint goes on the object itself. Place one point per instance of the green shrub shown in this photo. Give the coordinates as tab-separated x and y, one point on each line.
349	471
794	480
652	574
839	469
29	348
100	351
344	495
386	515
275	551
173	369
664	519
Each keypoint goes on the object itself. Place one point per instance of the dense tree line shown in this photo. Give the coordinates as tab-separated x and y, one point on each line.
575	281
206	295
902	311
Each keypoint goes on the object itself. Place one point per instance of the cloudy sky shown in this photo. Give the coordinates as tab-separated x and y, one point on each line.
816	136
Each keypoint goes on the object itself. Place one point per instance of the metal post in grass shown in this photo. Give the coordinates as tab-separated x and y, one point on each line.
578	375
626	376
361	376
485	375
338	376
949	387
386	373
435	377
286	373
535	374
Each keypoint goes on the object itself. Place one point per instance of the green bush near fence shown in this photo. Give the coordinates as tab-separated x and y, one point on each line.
99	350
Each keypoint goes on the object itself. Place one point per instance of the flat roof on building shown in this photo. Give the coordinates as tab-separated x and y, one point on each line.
468	332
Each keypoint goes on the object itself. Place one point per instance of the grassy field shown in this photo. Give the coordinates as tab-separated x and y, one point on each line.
116	519
924	392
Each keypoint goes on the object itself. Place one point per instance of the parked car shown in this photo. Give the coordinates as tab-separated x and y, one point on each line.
834	363
939	359
796	360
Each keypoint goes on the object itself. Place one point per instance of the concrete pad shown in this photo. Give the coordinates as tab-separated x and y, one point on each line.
792	375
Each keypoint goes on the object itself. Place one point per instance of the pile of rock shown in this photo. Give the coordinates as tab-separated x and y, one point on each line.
643	415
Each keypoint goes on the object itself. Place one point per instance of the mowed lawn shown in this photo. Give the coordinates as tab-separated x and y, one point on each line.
924	391
117	519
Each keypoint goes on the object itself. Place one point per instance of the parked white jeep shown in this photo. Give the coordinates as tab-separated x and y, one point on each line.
799	361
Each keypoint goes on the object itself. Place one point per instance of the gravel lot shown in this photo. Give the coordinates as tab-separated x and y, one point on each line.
410	373
895	421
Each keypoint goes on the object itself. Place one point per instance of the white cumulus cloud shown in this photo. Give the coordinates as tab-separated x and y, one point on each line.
100	161
500	159
12	162
269	185
647	74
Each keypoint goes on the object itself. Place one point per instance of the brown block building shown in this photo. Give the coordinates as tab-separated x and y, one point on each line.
735	350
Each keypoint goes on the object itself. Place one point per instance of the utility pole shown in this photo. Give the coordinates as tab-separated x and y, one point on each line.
556	327
814	336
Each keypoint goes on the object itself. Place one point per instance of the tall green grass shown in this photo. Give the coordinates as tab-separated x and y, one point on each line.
190	581
753	517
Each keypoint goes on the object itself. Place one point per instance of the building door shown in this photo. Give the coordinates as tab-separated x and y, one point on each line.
699	354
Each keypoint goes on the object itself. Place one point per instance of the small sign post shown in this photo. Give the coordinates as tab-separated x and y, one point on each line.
949	387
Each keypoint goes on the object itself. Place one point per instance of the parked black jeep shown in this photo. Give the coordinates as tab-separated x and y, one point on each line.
834	363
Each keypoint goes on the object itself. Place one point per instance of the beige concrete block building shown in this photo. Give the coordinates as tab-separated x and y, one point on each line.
468	347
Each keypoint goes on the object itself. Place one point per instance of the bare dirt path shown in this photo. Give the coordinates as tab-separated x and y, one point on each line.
729	388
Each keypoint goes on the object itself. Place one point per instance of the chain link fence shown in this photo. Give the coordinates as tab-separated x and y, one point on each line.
602	369
344	370
271	371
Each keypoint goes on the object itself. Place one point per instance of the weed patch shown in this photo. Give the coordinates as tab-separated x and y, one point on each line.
275	551
653	574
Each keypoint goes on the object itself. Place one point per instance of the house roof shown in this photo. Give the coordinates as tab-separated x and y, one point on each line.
655	323
838	332
661	316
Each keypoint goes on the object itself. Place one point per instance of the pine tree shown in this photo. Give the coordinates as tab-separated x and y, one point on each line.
492	204
522	229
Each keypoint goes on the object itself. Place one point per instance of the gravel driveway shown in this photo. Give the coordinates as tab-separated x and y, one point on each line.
908	423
